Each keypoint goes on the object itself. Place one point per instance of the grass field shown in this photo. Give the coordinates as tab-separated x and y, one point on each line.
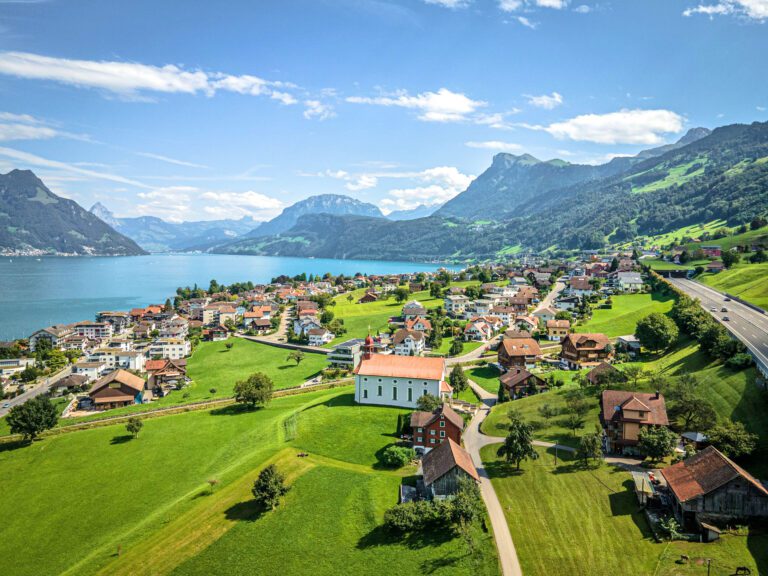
71	501
627	310
577	521
749	237
485	376
657	264
747	281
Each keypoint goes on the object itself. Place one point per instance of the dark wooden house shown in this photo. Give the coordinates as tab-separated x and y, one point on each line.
444	468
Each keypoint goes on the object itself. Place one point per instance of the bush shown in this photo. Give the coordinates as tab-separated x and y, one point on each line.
739	361
397	456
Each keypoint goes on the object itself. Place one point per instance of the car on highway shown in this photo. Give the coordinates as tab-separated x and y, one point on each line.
726	319
713	309
723	309
6	405
726	299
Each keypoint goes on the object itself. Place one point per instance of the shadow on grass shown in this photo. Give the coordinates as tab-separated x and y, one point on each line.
122	439
248	511
432	566
14	445
500	469
232	410
381	536
757	544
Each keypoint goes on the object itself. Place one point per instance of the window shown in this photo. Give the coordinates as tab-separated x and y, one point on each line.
425	392
431	432
410	394
394	393
442	423
420	430
379	391
431	440
419	439
365	394
442	433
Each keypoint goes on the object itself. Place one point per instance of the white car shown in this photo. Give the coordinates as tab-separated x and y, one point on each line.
6	405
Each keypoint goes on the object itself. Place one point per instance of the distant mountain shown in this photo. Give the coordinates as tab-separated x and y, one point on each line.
521	203
157	235
421	211
34	220
322	204
514	182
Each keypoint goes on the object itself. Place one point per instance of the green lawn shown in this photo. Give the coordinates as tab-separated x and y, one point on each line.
486	377
657	264
71	501
576	521
747	281
446	346
627	310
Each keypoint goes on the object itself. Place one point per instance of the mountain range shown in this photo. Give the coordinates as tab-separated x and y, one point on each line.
35	221
522	203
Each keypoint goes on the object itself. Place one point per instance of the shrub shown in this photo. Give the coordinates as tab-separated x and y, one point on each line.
397	456
739	360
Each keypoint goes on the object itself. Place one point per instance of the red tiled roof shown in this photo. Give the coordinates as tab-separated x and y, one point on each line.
445	457
656	407
393	366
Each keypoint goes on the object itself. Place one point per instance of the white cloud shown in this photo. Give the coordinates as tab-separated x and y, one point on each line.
26	132
546	101
554	4
453	4
250	202
354	182
582	9
526	22
515	5
134	80
510	5
495	145
317	109
179	203
441	106
761	108
438	185
171	160
751	9
623	127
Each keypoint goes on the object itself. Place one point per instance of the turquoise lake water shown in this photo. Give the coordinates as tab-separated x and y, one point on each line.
37	293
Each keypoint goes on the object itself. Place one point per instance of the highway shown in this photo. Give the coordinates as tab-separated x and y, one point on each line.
747	324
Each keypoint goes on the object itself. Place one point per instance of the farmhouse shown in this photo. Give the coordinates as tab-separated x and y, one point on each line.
392	380
589	349
624	414
432	428
444	468
709	487
117	389
518	383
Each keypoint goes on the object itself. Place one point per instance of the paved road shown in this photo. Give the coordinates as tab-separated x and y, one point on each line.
550	298
747	324
474	440
36	391
469	356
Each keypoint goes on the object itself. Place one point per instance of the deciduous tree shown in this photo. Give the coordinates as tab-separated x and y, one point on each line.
256	390
33	417
269	487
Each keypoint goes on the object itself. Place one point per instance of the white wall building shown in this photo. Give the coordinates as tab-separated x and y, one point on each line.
170	348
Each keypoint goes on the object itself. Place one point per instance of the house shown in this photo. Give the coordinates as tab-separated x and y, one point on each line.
302	326
413	309
53	334
715	266
545	314
419	323
408	342
455	305
558	329
215	333
604	373
629	281
712	251
483	306
320	336
346	355
392	380
567	302
69	383
117	389
526	323
172	348
518	383
9	366
710	487
507	314
518	352
444	468
623	414
478	330
585	349
166	375
580	286
94	330
368	297
629	344
91	370
119	320
429	429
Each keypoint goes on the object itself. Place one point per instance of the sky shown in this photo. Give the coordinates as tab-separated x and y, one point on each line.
201	110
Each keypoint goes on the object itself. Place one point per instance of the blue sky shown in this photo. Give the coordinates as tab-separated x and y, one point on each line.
216	110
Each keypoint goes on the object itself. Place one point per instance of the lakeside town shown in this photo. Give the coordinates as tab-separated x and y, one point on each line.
458	352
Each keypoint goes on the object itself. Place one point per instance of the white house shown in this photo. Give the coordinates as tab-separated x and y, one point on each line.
629	281
391	380
94	330
320	336
170	348
408	342
54	334
455	305
302	326
545	314
413	309
483	306
91	370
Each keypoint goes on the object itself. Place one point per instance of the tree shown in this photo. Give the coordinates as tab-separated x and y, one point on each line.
228	345
326	317
758	222
573	422
518	445
297	356
428	403
457	347
730	258
732	439
401	294
350	298
458	379
397	456
656	332
269	487
695	413
547	411
589	447
657	442
168	307
633	373
671	527
33	417
759	257
256	390
134	426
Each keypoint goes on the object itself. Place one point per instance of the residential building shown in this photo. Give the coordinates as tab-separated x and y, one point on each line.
558	329
478	329
507	314
419	323
94	330
54	334
163	376
413	309
320	336
392	380
89	369
429	429
455	305
580	350
580	286
117	389
302	326
170	348
518	383
712	251
119	320
623	414
444	468
518	351
545	314
629	281
346	355
709	487
629	344
408	342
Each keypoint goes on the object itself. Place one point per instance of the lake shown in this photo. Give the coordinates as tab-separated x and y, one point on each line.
38	293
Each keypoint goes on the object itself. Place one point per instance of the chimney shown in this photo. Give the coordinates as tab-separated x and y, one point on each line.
656	397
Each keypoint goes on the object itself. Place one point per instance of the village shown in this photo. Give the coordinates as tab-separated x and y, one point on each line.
456	354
